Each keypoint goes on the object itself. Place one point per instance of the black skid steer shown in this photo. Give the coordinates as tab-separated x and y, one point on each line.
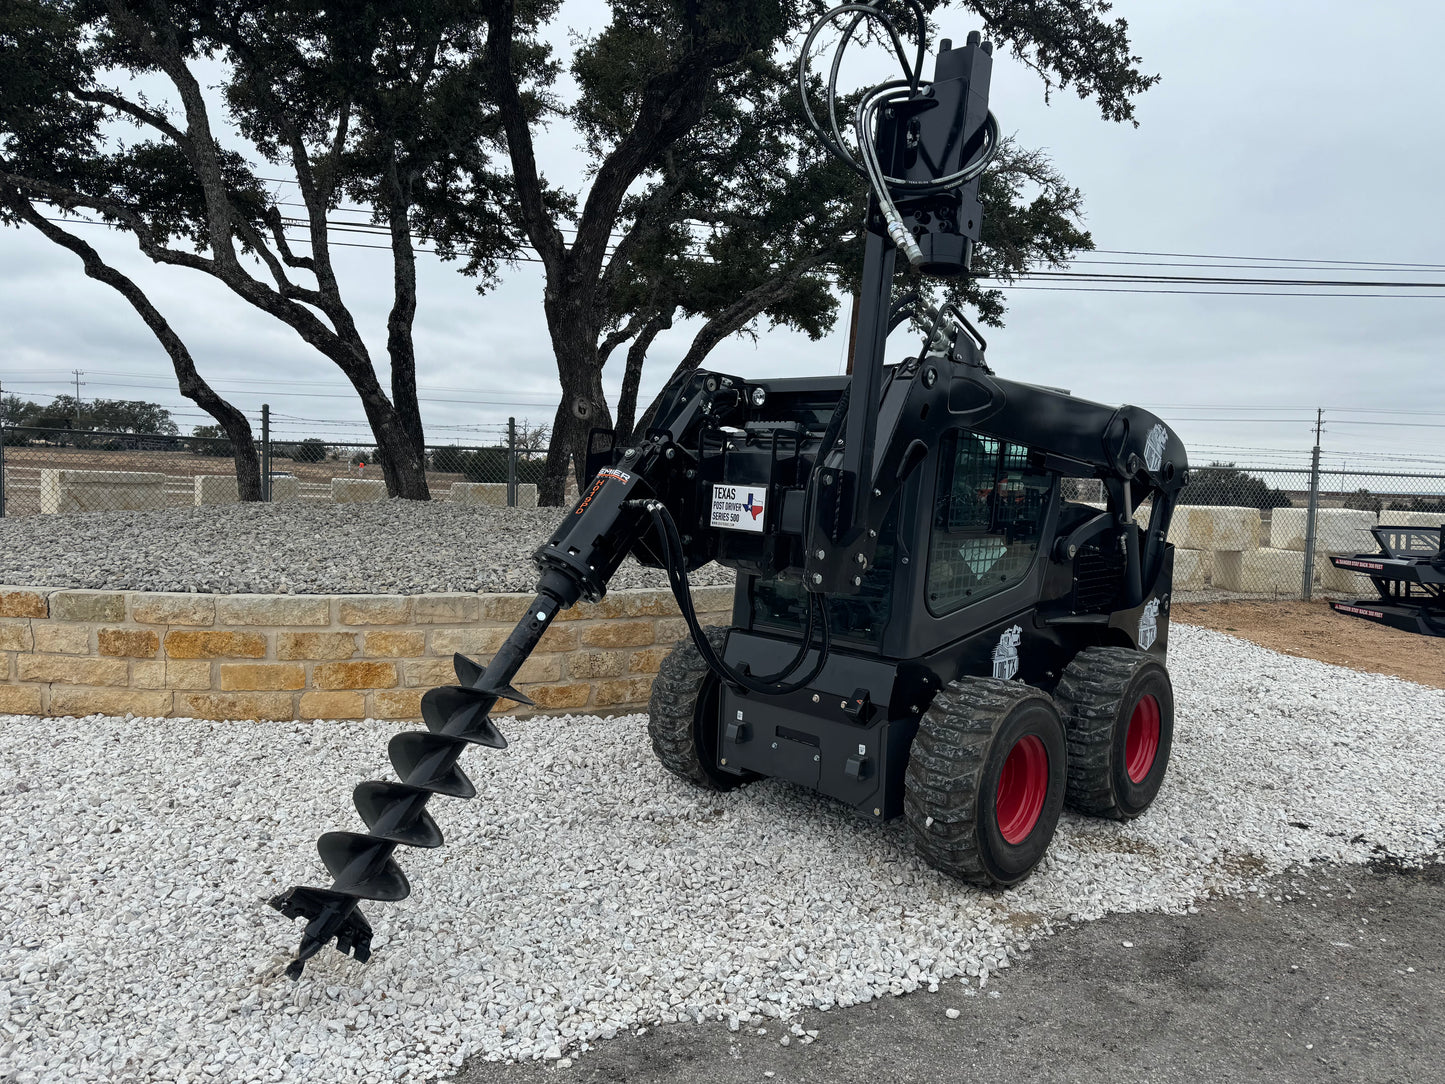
928	622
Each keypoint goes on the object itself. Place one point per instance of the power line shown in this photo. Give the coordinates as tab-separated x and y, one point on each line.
1271	259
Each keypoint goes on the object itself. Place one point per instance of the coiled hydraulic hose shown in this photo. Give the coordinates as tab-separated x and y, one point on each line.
907	89
771	684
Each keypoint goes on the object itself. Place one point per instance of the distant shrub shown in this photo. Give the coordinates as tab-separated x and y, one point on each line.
1363	500
1225	484
450	460
310	450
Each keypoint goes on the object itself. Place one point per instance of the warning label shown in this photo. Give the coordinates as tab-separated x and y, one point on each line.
737	508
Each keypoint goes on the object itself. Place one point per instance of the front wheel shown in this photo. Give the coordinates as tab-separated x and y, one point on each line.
985	780
683	715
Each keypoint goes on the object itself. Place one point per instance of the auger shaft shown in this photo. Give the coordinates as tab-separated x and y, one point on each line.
456	716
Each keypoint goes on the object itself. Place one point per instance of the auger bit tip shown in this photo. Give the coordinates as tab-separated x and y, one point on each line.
344	923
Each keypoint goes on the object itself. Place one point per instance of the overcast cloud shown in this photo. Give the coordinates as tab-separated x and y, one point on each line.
1280	129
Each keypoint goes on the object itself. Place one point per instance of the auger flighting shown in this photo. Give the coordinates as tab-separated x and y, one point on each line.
361	865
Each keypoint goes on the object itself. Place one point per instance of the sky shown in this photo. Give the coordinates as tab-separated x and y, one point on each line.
1281	129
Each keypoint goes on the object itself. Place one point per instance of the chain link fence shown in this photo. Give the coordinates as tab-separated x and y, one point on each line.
1245	532
1238	532
48	471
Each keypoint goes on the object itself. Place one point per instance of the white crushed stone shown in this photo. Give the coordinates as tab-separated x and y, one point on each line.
586	892
391	547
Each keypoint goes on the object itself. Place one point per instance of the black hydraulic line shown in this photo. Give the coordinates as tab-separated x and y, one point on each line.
361	864
770	685
861	11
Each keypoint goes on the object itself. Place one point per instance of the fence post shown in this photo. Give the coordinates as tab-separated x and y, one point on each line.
511	462
1307	576
2	468
266	452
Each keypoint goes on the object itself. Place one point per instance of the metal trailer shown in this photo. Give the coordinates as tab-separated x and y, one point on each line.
1409	574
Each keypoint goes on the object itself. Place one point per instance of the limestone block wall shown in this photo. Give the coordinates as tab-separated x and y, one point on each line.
1337	530
492	494
357	490
1215	527
100	491
285	487
216	489
318	656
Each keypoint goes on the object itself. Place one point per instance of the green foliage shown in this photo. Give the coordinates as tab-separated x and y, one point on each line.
449	460
16	411
1420	504
107	415
310	450
211	441
1363	500
1225	484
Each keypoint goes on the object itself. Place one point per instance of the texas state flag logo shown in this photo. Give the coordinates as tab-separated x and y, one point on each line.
753	507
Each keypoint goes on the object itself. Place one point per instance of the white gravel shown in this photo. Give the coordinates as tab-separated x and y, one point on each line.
586	891
402	547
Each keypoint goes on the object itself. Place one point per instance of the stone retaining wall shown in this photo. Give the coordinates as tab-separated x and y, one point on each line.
318	656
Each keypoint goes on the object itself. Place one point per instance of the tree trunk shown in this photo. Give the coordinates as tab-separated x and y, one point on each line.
583	405
232	422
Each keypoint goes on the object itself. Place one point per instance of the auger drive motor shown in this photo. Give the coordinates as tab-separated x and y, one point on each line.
967	644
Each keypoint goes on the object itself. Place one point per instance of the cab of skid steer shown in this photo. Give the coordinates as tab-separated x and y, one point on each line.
971	577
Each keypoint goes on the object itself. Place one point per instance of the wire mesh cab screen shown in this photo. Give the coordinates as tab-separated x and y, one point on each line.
783	603
988	515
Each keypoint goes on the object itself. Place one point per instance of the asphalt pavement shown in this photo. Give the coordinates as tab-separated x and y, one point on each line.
1335	974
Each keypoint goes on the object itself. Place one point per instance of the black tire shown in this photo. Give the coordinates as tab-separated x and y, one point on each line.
1103	695
952	793
682	715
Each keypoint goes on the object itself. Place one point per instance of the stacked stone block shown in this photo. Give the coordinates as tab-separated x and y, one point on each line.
357	490
216	489
491	494
1337	531
63	491
318	656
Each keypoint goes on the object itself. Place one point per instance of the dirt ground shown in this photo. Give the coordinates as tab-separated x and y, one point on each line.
1311	630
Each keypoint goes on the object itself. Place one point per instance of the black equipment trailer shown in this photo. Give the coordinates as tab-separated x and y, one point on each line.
1409	573
966	645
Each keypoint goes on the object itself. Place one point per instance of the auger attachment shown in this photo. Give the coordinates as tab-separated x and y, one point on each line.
361	864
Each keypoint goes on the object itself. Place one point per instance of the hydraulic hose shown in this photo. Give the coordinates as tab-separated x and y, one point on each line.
769	685
907	89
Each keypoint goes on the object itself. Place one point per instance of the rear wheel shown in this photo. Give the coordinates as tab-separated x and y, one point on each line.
1118	708
683	715
985	780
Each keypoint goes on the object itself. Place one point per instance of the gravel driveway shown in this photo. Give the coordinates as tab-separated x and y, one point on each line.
586	893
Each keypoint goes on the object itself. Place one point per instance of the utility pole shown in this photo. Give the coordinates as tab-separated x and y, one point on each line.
77	373
1307	575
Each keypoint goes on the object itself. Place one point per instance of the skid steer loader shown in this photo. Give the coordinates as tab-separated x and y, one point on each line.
968	645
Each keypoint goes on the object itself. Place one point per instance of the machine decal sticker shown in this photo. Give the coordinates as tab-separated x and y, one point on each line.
1154	446
1149	624
1348	562
738	508
1006	654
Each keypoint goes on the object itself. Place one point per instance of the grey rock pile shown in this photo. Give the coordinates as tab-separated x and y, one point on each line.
586	892
402	547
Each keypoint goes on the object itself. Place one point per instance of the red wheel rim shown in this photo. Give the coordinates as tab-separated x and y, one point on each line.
1022	787
1141	744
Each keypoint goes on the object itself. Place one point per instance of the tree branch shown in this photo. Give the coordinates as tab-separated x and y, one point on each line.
192	385
541	228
